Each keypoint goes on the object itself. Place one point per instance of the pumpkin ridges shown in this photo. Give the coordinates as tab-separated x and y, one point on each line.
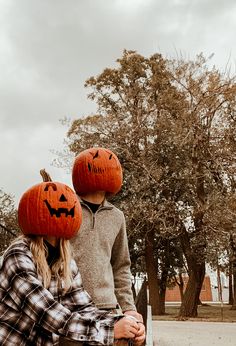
97	169
35	217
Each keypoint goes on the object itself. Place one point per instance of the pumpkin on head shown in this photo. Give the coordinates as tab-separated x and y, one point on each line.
50	209
97	169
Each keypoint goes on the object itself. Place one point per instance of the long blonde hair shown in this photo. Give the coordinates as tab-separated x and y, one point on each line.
60	269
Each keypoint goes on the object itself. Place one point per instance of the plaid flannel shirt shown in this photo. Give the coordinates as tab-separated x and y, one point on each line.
33	315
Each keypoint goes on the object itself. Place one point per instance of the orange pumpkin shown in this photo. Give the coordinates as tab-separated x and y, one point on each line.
50	208
97	169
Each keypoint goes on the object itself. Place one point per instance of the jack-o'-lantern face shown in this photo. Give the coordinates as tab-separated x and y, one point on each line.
97	169
62	207
50	208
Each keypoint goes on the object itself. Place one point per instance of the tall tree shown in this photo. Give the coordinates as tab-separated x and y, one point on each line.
129	101
170	122
210	102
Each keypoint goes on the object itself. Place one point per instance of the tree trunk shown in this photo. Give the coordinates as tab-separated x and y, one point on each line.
151	267
196	271
141	301
194	245
162	301
164	276
133	290
180	283
192	292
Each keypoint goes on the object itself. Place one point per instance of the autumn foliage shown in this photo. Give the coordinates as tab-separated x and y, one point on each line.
172	124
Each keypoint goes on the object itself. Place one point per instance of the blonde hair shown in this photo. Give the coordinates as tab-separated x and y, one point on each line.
60	269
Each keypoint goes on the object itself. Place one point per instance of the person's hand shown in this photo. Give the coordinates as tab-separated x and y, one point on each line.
126	328
140	336
135	314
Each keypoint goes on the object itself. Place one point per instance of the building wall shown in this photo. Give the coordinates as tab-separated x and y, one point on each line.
173	293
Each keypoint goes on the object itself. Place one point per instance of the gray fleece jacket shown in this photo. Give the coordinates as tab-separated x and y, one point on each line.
102	255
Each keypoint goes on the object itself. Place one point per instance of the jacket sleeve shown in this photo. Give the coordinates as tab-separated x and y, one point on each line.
38	303
120	260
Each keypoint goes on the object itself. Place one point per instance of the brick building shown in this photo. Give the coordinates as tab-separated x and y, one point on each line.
173	293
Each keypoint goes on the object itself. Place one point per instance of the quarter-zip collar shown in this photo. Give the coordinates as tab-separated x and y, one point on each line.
93	206
105	205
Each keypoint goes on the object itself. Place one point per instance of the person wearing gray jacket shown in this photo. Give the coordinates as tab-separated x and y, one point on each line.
101	251
101	247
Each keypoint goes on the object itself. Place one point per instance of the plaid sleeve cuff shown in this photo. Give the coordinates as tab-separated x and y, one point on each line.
86	330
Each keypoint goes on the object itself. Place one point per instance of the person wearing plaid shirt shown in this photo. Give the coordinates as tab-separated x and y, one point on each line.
37	305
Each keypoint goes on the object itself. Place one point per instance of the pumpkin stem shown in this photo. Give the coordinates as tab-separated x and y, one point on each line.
46	177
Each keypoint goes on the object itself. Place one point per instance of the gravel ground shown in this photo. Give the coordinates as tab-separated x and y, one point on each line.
178	333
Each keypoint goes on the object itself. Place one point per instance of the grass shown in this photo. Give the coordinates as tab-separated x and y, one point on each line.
206	312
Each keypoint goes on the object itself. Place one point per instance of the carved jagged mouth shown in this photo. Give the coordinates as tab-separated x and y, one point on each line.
58	212
96	169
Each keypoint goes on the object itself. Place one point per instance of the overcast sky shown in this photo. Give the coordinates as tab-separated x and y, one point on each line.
48	48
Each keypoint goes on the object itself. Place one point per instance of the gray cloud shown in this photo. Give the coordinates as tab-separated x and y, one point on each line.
49	48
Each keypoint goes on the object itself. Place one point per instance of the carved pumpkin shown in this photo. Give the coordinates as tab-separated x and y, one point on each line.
50	208
97	169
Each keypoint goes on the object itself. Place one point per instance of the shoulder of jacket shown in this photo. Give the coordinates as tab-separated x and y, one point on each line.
19	246
18	257
114	208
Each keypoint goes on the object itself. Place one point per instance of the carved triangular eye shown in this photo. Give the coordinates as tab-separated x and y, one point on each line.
63	198
96	155
52	185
